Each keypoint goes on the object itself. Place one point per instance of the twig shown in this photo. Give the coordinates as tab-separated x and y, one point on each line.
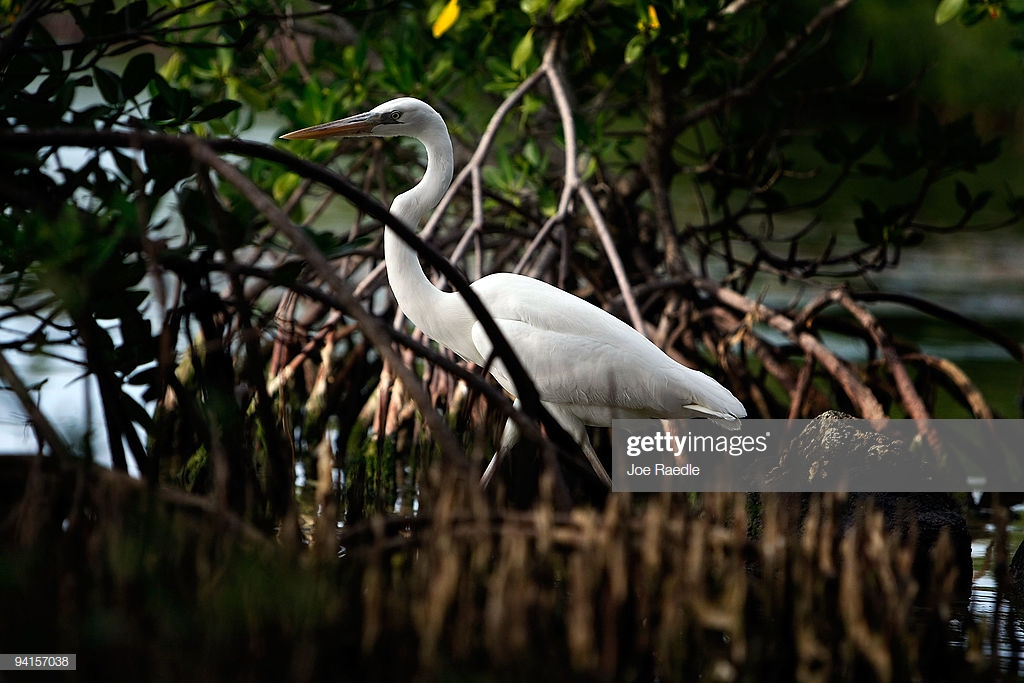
482	149
572	180
803	384
861	395
1013	347
911	399
975	400
45	431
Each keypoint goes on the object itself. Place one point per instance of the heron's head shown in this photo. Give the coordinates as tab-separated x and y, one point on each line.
402	116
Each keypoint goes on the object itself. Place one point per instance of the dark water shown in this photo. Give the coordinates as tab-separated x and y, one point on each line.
1009	637
981	276
976	275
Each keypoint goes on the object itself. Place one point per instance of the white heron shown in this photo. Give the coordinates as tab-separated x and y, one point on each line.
588	366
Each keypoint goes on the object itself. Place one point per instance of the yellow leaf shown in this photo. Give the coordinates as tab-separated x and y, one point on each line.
446	18
651	23
652	18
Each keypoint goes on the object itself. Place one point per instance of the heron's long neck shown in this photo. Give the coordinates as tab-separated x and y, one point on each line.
425	305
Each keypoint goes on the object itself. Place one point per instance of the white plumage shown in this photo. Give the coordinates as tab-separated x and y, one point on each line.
588	366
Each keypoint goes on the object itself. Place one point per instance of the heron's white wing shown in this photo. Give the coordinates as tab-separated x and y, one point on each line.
565	368
580	355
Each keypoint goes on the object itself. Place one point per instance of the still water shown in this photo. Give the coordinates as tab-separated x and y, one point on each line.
1009	634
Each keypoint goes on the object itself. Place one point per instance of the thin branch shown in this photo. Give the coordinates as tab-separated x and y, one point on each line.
971	394
45	432
613	258
475	381
803	385
911	399
572	180
862	397
14	40
482	149
1012	346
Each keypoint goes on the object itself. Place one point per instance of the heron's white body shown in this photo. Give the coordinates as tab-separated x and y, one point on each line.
589	367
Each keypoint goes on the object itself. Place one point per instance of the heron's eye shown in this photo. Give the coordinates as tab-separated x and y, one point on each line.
395	115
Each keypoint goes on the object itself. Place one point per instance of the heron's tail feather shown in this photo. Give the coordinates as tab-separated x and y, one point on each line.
723	419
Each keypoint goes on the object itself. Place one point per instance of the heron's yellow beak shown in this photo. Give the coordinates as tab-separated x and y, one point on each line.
360	124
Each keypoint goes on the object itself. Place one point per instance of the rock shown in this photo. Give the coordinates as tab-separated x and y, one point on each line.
829	449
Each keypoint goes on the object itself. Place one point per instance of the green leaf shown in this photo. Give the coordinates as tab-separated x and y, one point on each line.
109	85
533	7
870	226
948	9
126	165
160	110
963	195
287	273
143	377
52	59
138	73
981	200
523	51
635	48
230	27
973	14
195	213
175	103
136	336
833	145
135	13
904	157
284	185
216	110
135	412
22	70
565	9
910	237
100	8
531	154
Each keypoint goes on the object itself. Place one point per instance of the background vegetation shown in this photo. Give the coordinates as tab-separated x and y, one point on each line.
226	297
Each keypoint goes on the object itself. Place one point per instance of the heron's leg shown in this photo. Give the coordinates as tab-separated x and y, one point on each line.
509	438
578	431
595	462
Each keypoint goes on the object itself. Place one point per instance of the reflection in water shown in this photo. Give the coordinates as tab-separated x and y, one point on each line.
1007	638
